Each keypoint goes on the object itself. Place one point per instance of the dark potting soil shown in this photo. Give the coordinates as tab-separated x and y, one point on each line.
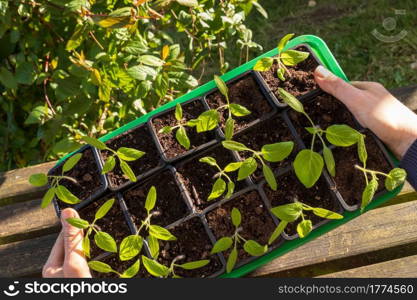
290	190
114	223
192	242
273	130
87	175
324	110
257	224
349	181
120	266
245	92
170	146
139	139
169	204
197	177
299	82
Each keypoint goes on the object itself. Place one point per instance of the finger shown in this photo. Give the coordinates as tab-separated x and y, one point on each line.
53	266
75	264
337	87
365	85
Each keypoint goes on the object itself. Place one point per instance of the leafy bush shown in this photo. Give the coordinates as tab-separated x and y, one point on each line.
71	68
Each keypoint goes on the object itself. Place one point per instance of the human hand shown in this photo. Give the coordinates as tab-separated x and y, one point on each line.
375	108
67	258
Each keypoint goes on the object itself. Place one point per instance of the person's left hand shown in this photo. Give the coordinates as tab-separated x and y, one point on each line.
67	258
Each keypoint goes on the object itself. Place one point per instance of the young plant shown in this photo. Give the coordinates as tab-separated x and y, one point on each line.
63	194
308	164
181	133
123	154
250	246
131	245
102	239
283	59
289	213
159	270
220	185
270	152
393	179
102	267
210	119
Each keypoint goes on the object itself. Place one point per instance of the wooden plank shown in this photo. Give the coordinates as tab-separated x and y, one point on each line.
25	258
375	230
14	185
403	267
26	220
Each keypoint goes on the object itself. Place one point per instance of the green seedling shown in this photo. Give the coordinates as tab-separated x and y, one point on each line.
393	179
270	152
123	154
181	133
159	270
102	239
131	245
211	118
308	164
289	213
220	185
105	268
283	59
252	247
62	193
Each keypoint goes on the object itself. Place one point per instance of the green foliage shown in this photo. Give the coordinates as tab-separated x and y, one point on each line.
55	189
77	67
123	154
283	59
102	239
225	243
181	133
102	267
220	186
158	270
291	212
271	152
308	164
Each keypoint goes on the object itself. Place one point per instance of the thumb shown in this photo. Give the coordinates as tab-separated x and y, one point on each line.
75	264
337	87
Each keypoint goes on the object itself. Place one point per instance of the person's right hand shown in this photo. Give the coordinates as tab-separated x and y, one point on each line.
375	108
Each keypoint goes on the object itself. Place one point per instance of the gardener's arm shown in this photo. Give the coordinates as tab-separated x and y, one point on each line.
375	108
67	258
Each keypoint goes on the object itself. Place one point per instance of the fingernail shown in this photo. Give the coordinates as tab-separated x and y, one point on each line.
68	213
323	72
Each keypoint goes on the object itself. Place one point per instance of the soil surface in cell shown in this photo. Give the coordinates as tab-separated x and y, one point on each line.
324	110
194	244
257	224
114	223
139	139
245	92
271	131
290	190
298	82
87	175
170	146
198	178
170	205
350	182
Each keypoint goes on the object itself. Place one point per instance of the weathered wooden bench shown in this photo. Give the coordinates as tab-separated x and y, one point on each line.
382	242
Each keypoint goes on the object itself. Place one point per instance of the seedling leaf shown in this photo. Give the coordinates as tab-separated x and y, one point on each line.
86	246
221	85
48	197
182	138
153	246
132	270
208	160
100	266
234	146
222	245
254	248
94	142
130	247
277	232
308	166
238	110
362	153
127	171
104	209
109	165
154	267
178	112
269	176
230	189
65	195
293	57
342	135
247	168
229	128
288	212
304	228
161	233
395	178
236	217
165	129
327	214
264	64
79	223
231	260
329	160
105	241
71	162
369	192
283	42
129	154
292	102
39	179
278	151
194	264
218	189
231	167
150	199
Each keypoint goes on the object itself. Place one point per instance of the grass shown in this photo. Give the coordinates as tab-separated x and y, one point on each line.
346	26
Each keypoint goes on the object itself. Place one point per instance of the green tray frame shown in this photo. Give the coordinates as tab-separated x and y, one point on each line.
322	51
